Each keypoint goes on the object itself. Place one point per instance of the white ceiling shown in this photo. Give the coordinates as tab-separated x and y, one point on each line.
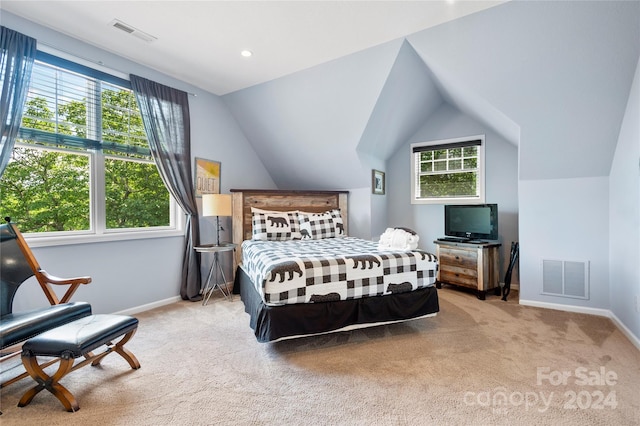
200	41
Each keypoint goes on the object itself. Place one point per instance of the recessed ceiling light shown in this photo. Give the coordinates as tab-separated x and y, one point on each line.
246	53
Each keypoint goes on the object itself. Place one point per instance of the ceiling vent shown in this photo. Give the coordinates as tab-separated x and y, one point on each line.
131	30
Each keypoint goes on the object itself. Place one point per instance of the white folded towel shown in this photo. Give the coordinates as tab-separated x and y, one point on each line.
398	239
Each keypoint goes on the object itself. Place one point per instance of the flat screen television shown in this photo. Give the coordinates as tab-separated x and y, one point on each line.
471	222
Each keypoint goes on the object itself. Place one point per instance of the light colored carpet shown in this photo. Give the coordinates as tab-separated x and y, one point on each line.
476	363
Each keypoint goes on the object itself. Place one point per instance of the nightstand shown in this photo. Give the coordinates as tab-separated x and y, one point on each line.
215	266
470	265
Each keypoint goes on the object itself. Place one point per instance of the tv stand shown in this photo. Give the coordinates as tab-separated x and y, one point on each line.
469	264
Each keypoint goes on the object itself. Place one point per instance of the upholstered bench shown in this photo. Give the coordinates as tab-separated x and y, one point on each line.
71	341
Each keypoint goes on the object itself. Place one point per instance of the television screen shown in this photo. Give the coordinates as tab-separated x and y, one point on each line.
473	221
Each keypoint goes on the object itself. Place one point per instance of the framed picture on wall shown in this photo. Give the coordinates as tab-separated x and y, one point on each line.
377	182
207	177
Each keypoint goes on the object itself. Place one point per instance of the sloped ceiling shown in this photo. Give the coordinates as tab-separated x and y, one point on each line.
550	77
306	127
560	71
472	104
327	127
407	100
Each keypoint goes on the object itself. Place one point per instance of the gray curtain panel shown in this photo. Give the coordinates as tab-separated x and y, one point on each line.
18	54
165	114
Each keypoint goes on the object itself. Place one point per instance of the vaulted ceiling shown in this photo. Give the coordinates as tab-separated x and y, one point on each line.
551	77
200	41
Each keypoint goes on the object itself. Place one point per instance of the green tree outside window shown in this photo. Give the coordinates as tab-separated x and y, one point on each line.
47	186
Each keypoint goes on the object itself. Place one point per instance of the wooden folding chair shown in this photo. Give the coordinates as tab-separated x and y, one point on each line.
44	278
17	264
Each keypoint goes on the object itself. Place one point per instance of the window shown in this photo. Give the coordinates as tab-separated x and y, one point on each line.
448	171
82	164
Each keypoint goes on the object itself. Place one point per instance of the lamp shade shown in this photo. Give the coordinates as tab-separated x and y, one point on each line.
216	204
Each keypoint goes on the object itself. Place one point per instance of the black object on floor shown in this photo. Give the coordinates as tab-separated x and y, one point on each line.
507	278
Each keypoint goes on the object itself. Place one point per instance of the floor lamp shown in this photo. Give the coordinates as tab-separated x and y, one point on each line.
216	205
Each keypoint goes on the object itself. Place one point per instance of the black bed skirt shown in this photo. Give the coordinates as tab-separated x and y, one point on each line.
276	322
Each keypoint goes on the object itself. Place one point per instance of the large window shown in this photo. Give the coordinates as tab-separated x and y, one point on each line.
448	171
81	164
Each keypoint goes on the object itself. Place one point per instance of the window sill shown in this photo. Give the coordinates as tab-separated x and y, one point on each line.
51	241
474	200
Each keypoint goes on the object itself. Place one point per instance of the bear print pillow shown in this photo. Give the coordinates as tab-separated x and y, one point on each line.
316	226
274	226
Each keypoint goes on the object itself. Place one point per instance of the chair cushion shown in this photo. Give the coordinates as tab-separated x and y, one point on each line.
18	327
80	336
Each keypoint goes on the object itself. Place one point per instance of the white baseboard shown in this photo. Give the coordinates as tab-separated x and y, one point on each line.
585	310
569	308
625	330
148	306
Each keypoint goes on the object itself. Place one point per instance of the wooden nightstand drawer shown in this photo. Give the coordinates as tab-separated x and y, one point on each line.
457	257
460	276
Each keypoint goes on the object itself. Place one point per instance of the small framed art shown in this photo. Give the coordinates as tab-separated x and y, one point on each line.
207	177
377	182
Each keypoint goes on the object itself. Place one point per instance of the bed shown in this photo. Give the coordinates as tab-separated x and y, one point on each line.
315	279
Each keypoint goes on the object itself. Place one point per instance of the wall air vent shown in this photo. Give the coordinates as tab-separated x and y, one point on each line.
565	278
131	30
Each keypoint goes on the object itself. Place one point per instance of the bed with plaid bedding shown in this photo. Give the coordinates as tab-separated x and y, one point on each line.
330	269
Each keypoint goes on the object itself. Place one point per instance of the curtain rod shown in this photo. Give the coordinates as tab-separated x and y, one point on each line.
53	50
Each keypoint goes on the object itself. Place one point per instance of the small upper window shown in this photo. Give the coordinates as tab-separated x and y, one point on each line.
448	171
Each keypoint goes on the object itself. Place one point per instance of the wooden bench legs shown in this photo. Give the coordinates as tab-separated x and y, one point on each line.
66	366
49	382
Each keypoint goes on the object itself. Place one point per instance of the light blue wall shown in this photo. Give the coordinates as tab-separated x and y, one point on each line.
565	219
562	73
409	96
128	274
624	216
124	274
501	180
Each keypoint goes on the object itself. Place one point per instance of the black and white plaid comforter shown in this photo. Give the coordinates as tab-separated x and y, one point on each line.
289	272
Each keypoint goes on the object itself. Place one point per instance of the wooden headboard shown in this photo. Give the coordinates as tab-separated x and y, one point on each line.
276	200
